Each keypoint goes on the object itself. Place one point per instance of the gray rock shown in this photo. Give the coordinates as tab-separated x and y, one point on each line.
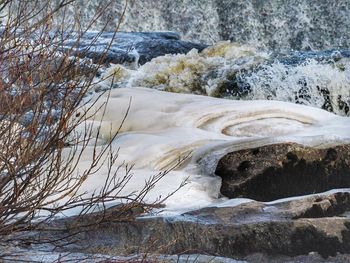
311	228
128	47
285	229
283	170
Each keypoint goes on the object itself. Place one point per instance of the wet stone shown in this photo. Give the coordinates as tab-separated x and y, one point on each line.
316	224
283	170
128	47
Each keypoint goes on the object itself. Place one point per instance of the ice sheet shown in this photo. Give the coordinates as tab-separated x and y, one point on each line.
163	127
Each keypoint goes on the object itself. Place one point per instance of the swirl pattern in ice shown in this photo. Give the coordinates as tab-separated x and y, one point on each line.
162	127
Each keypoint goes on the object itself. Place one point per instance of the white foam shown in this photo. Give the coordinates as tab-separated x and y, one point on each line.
303	83
194	72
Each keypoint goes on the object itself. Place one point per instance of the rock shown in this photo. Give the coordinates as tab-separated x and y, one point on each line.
285	229
283	170
33	255
129	47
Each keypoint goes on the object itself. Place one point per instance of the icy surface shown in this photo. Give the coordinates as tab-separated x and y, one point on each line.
163	127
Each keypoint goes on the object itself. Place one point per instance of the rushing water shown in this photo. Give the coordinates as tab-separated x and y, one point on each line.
233	71
276	24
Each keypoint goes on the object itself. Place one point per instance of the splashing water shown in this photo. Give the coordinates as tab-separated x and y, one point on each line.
206	73
322	85
275	24
233	71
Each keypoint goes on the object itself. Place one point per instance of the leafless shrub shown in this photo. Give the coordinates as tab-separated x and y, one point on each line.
41	90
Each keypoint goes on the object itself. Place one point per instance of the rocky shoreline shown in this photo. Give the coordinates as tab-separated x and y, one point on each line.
315	224
309	228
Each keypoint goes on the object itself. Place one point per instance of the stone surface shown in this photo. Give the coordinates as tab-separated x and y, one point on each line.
283	170
311	228
285	229
139	47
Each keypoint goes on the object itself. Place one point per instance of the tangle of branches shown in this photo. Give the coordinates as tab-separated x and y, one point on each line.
41	90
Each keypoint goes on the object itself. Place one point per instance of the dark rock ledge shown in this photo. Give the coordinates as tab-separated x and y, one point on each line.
312	228
282	170
317	223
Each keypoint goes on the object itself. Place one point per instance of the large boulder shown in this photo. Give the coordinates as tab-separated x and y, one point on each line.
283	170
128	47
